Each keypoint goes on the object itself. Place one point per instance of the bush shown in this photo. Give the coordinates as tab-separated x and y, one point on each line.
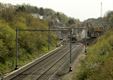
98	62
31	44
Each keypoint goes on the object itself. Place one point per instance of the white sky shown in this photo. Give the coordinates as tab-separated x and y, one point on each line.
80	9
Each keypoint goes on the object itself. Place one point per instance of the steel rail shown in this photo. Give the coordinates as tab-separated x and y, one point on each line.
23	75
58	61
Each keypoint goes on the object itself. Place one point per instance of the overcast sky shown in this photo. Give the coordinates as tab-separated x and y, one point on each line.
80	9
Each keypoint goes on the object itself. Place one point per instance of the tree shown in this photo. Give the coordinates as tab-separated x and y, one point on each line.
71	21
8	13
109	18
41	11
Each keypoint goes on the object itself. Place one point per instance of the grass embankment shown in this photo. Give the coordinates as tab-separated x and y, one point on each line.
98	63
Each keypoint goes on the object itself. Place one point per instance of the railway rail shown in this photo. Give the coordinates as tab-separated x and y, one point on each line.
47	67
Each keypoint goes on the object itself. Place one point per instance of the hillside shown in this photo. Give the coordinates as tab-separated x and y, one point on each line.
31	44
35	44
97	64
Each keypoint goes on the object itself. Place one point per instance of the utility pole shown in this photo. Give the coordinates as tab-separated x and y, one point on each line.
70	68
49	35
49	38
17	50
86	40
101	9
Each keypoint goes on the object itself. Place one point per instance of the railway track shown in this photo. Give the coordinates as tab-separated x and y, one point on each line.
45	68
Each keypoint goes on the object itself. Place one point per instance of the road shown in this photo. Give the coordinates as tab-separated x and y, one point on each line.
44	69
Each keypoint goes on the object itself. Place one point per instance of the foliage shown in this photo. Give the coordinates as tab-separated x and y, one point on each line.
98	62
109	18
31	44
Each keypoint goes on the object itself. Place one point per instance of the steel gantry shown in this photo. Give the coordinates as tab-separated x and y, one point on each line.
43	30
39	30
